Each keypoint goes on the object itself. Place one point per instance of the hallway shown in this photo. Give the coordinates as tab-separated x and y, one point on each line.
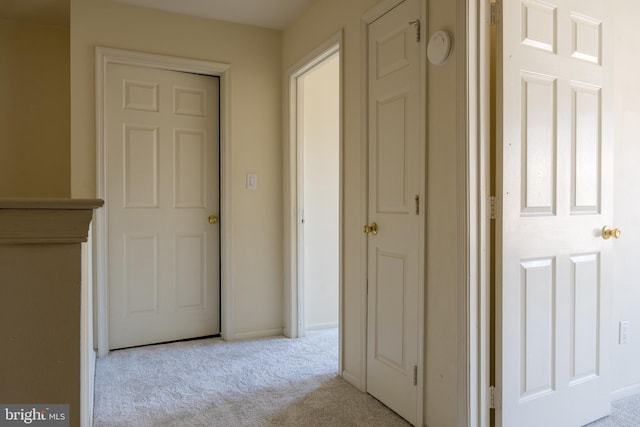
268	382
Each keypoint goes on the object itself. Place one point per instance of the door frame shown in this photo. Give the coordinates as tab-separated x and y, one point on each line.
299	327
293	248
474	193
105	56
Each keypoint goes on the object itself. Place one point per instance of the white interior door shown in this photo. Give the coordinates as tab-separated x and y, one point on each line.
555	181
162	158
394	252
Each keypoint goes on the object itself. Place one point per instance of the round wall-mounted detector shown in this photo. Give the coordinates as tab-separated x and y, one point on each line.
439	47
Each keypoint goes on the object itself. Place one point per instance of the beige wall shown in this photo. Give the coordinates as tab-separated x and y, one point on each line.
34	110
319	92
443	307
323	19
255	58
626	282
34	160
40	362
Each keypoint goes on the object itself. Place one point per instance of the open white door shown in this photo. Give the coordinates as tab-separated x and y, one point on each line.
554	167
395	228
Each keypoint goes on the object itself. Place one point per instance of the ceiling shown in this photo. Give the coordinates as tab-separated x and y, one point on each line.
275	14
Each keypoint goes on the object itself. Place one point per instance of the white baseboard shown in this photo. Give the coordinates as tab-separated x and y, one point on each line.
256	334
328	325
627	391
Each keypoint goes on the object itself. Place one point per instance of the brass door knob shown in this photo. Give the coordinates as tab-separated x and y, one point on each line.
213	219
608	233
370	229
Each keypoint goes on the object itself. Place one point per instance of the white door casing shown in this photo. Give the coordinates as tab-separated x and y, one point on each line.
395	190
554	166
162	157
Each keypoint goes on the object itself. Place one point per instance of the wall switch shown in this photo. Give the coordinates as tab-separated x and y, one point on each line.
252	181
624	332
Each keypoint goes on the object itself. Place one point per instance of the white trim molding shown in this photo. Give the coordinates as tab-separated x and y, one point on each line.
475	174
480	91
104	57
250	335
628	391
87	352
466	225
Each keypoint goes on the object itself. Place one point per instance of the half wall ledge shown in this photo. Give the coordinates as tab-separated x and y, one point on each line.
41	326
32	221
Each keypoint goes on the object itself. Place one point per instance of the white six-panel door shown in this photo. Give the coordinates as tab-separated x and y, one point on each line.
162	185
554	181
395	170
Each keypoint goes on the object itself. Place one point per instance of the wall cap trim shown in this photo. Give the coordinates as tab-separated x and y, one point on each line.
49	203
37	221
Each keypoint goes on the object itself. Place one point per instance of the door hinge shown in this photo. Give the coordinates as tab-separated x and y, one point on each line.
417	204
492	207
415	375
494	398
495	12
416	24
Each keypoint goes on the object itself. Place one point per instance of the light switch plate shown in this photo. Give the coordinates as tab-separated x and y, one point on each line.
624	332
252	181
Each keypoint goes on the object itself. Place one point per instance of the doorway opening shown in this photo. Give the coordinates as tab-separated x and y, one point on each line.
313	175
318	195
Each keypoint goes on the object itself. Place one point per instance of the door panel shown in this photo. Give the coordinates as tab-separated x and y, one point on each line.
140	166
162	185
190	168
554	179
191	268
140	273
394	189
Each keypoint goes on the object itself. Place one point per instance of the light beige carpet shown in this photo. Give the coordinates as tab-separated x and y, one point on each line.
268	382
624	413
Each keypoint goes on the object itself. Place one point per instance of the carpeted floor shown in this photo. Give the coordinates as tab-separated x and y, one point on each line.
269	382
624	413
